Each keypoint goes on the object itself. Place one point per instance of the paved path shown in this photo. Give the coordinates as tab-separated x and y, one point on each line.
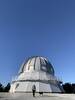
28	96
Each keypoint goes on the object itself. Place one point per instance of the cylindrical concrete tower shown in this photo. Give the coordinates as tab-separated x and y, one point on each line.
36	71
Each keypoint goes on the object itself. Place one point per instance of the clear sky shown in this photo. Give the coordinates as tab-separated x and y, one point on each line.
37	27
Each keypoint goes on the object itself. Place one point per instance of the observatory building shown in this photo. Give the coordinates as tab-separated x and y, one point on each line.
36	71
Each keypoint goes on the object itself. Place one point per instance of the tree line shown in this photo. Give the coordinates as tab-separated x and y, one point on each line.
4	89
68	87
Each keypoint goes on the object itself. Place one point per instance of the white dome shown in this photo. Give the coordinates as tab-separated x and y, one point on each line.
37	63
39	71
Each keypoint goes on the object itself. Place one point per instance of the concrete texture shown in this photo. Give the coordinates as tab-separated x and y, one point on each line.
28	96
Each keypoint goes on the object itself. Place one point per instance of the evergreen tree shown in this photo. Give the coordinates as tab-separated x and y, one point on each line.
7	88
1	88
67	87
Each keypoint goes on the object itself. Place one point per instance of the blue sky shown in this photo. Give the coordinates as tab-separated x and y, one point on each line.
37	27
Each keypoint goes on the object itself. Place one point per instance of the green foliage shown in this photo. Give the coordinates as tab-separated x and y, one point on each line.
1	88
7	88
4	89
69	88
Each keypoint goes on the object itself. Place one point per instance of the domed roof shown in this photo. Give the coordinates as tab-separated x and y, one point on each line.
37	63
